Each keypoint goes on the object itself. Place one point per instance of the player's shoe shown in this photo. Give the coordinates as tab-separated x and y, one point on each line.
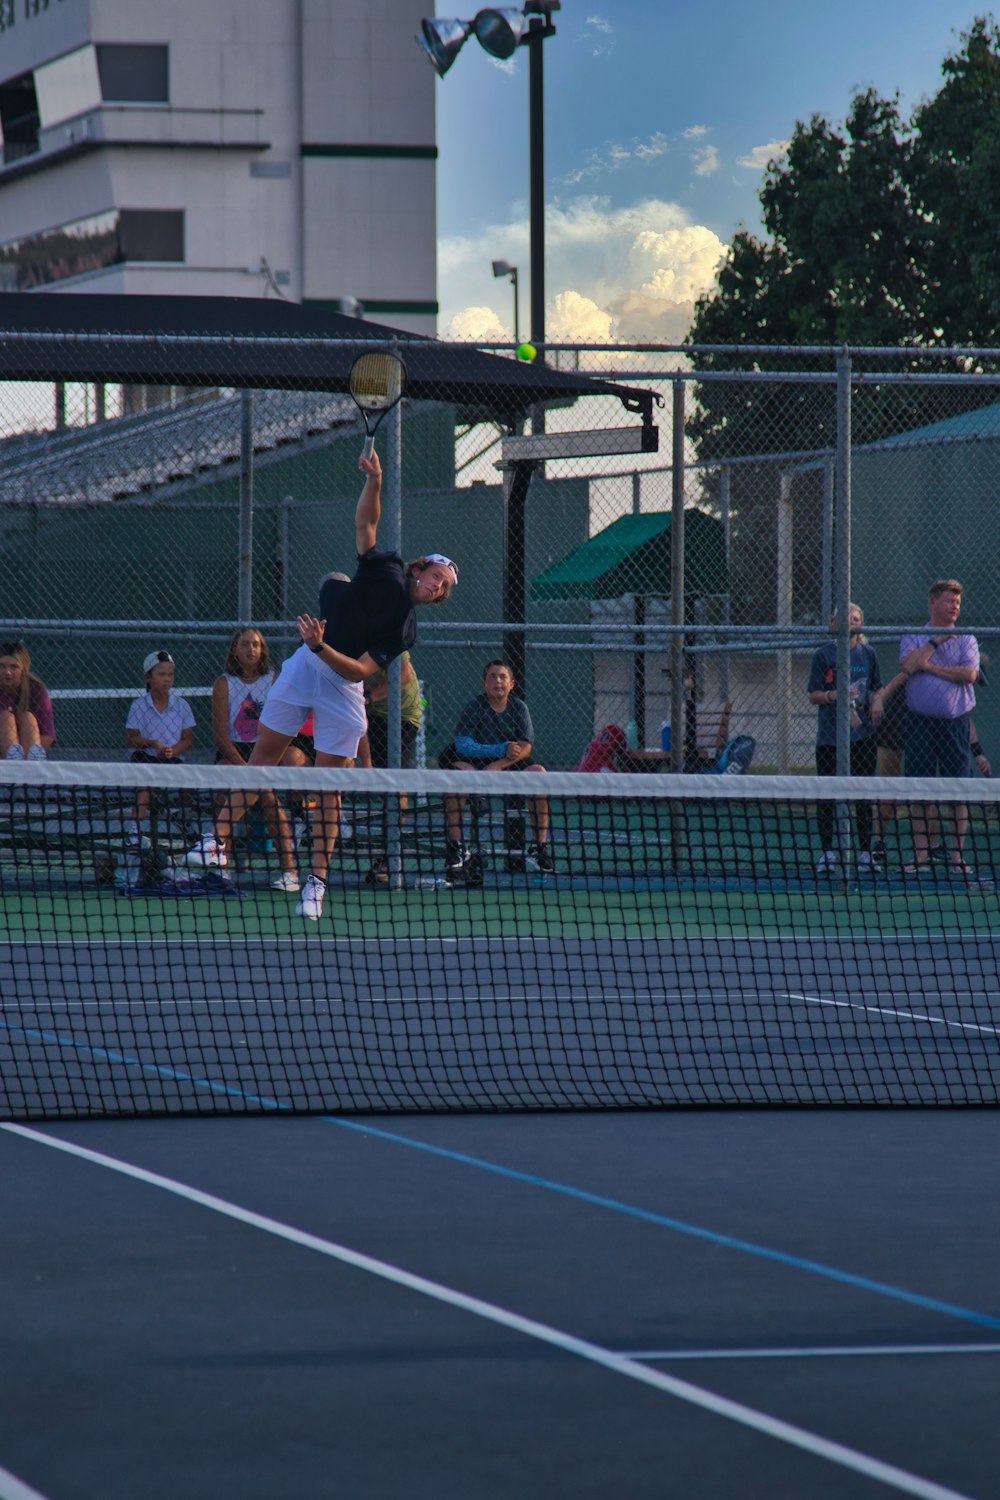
207	851
456	857
310	902
15	752
538	858
868	864
136	838
288	880
37	752
829	863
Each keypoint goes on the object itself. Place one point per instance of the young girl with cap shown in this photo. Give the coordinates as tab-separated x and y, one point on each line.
159	727
363	624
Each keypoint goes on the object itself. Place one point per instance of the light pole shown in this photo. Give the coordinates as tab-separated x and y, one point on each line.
500	30
504	268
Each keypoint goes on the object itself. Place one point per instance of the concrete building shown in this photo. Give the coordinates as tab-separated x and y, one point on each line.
220	148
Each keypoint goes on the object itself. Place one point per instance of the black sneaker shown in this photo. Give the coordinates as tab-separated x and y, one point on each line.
456	857
940	855
539	859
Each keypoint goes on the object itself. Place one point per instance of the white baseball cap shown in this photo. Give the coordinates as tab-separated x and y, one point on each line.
445	562
154	659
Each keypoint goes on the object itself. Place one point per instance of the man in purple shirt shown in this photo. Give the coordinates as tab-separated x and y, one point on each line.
940	669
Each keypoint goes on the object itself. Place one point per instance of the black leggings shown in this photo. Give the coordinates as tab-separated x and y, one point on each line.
864	759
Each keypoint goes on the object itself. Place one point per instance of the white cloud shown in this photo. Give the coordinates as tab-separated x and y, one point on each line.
629	273
758	158
597	32
706	161
694	131
478	325
614	155
571	318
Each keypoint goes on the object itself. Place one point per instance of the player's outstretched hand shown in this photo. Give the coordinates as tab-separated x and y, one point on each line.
370	466
310	630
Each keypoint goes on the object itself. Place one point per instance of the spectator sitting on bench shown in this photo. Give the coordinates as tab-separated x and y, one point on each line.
494	733
159	727
27	728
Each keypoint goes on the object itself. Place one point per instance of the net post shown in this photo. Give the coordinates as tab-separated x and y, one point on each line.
677	708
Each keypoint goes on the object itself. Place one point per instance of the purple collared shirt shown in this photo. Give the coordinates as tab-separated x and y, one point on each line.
933	696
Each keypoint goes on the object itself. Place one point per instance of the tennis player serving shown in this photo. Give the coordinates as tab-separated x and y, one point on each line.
363	624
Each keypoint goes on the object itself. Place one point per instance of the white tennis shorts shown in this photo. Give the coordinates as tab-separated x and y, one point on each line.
306	685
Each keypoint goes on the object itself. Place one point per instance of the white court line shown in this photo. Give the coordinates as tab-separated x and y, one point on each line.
848	1352
733	1411
886	1010
12	1488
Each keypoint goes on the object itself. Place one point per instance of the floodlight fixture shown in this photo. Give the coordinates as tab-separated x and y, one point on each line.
504	268
442	41
499	30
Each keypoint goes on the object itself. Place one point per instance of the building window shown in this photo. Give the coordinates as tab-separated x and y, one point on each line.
107	239
151	234
133	74
19	117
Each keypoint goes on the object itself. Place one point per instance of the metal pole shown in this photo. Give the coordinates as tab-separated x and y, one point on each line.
842	541
517	320
826	586
516	482
637	694
286	556
536	192
678	715
724	484
244	605
783	616
391	536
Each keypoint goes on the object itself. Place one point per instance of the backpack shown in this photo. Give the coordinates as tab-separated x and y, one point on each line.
600	753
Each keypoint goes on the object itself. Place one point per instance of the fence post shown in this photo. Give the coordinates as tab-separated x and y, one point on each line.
783	616
842	543
724	514
244	605
391	529
678	707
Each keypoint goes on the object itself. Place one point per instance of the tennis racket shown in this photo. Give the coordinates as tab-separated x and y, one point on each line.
377	383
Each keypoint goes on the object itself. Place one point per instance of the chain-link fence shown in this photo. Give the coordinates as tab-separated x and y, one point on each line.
692	583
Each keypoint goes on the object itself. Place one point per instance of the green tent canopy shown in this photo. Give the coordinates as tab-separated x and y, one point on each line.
632	556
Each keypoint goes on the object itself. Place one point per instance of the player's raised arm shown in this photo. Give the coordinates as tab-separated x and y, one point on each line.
366	517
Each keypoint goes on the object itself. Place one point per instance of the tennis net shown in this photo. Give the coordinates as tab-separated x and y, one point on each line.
598	942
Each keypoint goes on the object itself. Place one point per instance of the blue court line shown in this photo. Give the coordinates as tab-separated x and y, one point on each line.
696	1231
729	1242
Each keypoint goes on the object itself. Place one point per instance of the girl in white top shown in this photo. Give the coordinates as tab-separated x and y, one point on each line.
238	695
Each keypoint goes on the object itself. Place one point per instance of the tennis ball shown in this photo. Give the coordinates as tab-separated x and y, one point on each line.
526	351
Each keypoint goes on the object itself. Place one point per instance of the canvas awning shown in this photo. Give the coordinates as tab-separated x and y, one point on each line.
632	556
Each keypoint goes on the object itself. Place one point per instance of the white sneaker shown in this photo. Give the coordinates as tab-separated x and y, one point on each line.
829	863
37	752
868	862
136	838
288	880
15	752
207	851
310	903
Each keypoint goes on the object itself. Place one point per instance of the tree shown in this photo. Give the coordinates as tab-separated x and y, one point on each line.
885	233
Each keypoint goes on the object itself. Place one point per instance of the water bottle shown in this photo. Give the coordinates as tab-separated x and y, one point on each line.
632	735
665	736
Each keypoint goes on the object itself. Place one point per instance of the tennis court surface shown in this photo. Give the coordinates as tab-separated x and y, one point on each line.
422	1198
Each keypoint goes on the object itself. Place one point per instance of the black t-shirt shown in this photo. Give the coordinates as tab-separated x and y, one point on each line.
372	612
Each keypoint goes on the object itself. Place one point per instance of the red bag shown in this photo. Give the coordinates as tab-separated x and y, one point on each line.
600	753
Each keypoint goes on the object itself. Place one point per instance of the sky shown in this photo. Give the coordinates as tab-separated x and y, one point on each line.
660	117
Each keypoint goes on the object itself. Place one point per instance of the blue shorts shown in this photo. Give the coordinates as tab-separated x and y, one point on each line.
937	747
